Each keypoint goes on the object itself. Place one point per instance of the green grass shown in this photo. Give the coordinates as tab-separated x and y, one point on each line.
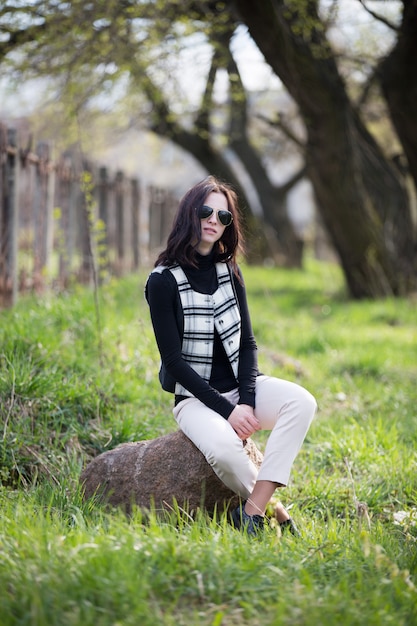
66	396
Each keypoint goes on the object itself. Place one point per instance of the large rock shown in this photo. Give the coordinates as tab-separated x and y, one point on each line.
157	473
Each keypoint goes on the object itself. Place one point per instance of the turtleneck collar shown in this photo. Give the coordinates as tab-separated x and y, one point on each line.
205	261
203	278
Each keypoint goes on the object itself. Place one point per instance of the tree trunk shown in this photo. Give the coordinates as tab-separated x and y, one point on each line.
398	78
286	246
363	204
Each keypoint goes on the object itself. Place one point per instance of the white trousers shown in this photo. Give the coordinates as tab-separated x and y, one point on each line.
283	407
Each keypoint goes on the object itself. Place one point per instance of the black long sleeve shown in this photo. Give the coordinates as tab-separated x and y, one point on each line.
163	298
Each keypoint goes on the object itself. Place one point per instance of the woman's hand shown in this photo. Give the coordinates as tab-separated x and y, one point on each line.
243	420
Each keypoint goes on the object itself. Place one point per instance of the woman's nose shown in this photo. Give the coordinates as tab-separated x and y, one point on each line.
213	217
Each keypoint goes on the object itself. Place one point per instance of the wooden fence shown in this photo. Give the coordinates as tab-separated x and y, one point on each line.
68	219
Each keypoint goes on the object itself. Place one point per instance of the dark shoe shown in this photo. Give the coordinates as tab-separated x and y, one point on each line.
289	525
252	524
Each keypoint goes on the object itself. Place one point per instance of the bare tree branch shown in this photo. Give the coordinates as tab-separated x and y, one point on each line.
202	121
380	18
280	123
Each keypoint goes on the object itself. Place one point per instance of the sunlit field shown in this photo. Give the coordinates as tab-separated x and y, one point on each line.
75	382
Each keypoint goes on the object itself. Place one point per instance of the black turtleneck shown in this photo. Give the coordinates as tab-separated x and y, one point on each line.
165	306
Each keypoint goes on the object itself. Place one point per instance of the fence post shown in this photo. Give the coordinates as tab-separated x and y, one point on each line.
155	218
103	214
14	216
168	212
144	224
73	215
62	202
50	174
9	217
9	220
43	214
3	208
86	223
103	188
119	206
135	222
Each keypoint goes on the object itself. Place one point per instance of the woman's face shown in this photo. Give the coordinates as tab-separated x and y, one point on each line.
211	227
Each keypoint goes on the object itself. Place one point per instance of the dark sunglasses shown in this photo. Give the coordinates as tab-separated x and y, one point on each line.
224	217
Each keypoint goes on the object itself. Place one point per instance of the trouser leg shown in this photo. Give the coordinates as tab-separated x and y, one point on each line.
216	439
287	409
283	407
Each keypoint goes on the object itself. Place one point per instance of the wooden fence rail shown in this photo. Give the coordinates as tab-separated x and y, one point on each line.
68	219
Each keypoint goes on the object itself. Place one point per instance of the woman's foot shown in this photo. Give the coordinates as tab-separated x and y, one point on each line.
280	513
253	525
285	521
290	526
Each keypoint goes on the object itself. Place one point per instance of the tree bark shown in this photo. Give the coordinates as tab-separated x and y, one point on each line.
398	78
362	201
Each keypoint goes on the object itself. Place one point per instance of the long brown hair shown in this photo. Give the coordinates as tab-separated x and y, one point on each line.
187	227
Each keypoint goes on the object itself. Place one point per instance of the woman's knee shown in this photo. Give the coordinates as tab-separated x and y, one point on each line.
306	404
308	400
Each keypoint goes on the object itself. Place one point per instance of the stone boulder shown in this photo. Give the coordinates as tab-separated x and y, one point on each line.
158	472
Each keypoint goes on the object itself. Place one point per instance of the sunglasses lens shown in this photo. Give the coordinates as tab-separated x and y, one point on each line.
204	212
225	217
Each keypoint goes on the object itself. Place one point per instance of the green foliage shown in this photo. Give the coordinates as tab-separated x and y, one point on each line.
68	388
354	485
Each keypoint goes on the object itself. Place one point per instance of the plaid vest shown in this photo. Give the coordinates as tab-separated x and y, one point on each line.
202	314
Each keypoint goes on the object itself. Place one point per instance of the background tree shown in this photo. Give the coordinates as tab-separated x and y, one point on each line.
361	197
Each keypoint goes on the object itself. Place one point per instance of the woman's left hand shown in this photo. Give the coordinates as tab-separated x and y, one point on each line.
243	420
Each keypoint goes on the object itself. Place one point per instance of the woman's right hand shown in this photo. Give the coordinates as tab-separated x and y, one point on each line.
243	420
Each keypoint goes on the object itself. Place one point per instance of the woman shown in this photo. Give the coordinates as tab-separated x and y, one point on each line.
202	327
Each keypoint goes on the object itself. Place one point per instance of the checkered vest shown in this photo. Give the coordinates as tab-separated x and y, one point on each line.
202	314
